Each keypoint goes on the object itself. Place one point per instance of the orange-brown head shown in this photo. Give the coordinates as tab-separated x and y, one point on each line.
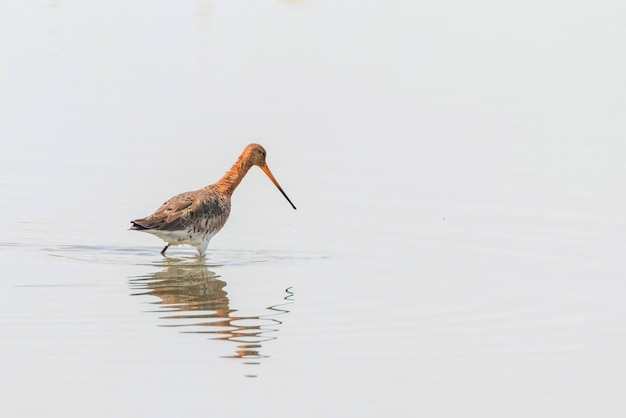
256	154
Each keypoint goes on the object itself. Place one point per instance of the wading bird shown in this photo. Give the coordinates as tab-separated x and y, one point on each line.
193	218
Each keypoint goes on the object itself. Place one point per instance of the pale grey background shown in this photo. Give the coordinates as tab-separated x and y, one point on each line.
458	248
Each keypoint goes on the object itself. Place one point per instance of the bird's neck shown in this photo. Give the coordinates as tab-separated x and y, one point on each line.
231	179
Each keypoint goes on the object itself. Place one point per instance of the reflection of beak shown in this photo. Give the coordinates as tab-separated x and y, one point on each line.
269	174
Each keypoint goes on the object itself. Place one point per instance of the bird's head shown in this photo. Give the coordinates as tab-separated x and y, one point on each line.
256	154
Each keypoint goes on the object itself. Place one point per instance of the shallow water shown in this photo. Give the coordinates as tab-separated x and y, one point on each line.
458	248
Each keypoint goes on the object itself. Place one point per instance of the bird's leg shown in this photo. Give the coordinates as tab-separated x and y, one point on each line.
164	249
202	249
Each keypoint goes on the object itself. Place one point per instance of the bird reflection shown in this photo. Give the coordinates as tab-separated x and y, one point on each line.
193	297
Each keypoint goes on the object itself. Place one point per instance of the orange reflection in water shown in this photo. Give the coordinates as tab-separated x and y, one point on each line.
193	297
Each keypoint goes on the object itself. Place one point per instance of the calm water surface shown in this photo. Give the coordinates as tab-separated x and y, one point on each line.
458	248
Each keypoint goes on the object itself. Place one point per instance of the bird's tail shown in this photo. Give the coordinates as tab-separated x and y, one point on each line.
137	227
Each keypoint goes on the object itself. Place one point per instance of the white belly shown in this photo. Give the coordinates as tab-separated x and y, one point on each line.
183	237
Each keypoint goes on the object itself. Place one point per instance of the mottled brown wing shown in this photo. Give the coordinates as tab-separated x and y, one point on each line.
175	214
183	210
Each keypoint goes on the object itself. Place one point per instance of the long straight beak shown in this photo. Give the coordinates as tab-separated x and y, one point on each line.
269	174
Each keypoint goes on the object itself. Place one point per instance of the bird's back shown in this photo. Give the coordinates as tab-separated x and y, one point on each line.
199	211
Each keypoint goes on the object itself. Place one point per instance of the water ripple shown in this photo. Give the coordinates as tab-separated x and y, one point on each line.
149	256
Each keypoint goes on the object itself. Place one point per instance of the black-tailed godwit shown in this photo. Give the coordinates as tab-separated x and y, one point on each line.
193	218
